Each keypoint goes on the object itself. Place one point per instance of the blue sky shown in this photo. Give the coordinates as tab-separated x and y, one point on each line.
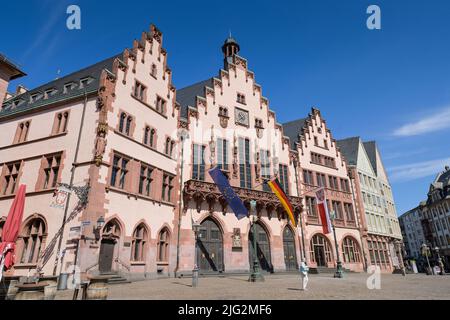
391	85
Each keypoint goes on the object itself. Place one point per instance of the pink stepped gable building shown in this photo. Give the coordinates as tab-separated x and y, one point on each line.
144	149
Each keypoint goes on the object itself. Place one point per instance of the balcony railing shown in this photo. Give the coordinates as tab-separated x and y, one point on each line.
201	192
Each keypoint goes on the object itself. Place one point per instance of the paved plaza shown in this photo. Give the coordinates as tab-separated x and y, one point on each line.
283	287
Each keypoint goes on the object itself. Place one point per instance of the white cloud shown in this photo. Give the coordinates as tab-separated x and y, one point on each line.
435	122
417	170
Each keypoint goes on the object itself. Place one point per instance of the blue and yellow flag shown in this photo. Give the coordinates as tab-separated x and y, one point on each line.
227	191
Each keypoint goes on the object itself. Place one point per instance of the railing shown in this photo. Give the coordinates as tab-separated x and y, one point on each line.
92	267
123	264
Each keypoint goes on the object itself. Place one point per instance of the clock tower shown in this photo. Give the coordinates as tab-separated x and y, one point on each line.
230	48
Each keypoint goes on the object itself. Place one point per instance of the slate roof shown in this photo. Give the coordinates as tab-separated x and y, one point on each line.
443	179
349	148
92	72
371	150
187	96
292	130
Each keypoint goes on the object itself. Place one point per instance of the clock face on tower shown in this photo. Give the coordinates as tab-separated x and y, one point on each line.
242	117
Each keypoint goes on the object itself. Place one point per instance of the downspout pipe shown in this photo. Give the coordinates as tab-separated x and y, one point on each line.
72	177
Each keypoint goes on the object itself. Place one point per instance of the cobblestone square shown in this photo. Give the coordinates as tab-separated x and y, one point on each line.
283	287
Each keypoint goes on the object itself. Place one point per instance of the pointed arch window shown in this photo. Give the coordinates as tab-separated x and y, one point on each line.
163	246
139	243
32	239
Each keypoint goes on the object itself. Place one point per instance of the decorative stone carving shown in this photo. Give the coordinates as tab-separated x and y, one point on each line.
224	121
237	239
200	191
235	158
212	148
100	143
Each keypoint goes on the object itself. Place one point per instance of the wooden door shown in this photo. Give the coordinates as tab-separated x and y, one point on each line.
290	254
106	255
262	248
210	247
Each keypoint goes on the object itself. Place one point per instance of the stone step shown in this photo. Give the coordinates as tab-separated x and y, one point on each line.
319	270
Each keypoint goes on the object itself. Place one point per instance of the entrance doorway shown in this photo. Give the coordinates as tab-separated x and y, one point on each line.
210	247
106	255
262	246
110	238
290	254
320	251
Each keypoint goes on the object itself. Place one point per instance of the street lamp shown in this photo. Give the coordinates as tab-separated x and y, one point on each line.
196	229
426	253
256	275
339	273
440	263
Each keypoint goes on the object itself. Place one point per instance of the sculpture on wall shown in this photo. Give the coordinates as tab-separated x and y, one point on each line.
100	143
235	157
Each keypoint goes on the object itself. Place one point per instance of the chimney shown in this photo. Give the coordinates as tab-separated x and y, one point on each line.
8	72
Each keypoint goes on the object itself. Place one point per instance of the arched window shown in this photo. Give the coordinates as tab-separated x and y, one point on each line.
152	138
172	145
147	136
167	146
321	250
350	248
123	117
32	237
128	128
163	246
139	243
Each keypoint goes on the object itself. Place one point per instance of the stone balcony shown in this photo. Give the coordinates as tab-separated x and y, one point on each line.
200	192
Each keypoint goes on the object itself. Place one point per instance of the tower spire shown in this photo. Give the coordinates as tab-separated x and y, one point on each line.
230	48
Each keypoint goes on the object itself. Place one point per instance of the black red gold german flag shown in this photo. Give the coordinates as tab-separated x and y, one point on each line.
281	195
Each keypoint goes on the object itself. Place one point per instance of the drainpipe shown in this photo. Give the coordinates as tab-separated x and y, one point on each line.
72	177
182	136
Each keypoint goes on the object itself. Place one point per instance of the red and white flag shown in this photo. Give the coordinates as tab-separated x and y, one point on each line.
323	211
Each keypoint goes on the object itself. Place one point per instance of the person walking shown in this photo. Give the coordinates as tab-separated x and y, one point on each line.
304	275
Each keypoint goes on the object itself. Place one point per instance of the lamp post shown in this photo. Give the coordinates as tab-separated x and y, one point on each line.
426	253
339	273
183	135
440	263
256	275
196	229
300	214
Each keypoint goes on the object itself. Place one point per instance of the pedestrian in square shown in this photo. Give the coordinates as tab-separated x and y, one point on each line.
304	275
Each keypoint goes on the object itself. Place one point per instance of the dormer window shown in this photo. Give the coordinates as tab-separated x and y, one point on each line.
241	98
50	92
35	97
85	82
69	87
17	103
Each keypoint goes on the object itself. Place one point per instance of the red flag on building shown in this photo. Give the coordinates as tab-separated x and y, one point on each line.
323	211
